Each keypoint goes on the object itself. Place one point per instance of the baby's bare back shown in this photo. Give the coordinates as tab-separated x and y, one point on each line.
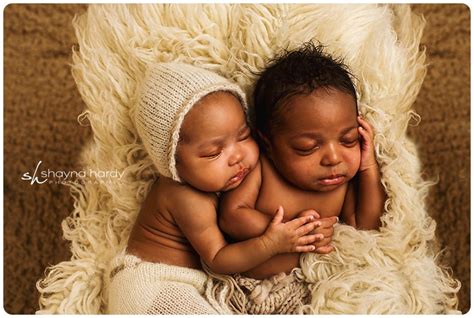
155	237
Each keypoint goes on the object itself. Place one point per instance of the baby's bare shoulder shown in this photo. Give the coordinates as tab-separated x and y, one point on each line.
180	197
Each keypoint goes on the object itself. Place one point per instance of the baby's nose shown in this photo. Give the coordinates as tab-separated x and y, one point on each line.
237	156
331	156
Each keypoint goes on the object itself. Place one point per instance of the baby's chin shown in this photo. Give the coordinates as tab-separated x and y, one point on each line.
318	187
327	188
231	186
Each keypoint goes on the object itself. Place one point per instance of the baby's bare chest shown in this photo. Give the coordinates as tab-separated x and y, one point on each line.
275	192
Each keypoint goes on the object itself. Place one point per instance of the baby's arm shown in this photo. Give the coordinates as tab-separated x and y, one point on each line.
196	217
367	196
239	218
237	214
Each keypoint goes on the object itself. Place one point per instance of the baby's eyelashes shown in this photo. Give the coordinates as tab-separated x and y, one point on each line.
351	142
212	155
306	151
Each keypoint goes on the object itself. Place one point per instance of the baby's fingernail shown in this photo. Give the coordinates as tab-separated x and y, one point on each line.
311	218
320	236
337	219
317	224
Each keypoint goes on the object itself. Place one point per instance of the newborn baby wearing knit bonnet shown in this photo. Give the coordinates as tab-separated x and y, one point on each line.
193	125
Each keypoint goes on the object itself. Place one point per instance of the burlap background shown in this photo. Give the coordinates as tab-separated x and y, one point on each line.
41	104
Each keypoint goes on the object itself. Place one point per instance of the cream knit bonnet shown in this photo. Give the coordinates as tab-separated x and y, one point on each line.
168	92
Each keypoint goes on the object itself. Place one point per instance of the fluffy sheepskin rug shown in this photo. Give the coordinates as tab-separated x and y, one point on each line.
391	271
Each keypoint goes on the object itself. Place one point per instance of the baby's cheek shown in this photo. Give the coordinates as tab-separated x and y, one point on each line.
302	171
213	175
353	161
252	154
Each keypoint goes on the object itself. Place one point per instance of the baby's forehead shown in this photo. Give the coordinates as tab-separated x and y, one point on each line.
216	135
318	104
317	111
218	114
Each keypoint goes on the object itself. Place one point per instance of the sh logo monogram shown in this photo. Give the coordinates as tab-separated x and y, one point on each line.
33	179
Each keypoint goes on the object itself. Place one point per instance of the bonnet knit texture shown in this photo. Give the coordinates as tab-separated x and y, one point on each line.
168	92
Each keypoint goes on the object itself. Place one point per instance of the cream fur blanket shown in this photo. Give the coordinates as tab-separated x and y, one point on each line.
391	271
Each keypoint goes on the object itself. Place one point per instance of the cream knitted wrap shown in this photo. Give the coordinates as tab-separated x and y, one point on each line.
395	270
168	92
139	287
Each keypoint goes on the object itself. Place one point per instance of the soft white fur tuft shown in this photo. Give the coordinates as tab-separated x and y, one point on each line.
391	271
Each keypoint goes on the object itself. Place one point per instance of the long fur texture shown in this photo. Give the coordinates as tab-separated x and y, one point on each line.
391	271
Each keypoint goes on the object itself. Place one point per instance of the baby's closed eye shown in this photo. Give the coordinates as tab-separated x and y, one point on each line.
210	154
305	148
350	139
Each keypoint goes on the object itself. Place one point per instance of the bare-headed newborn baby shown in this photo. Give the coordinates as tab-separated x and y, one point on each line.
317	156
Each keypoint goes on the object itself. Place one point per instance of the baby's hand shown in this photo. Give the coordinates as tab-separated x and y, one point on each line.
308	213
367	159
324	230
324	234
291	236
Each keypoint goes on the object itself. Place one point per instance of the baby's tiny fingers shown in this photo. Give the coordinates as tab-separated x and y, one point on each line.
298	222
364	122
278	217
363	132
366	137
322	242
308	239
365	128
325	249
305	229
310	212
304	249
328	222
325	232
317	226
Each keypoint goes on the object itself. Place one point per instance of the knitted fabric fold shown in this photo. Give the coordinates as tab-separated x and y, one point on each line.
139	287
279	294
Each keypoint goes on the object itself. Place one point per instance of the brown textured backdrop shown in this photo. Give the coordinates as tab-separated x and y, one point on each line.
41	104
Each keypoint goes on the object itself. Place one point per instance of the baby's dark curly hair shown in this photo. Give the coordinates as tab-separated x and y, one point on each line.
295	72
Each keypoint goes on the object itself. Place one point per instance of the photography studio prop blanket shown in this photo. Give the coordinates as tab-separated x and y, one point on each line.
394	270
